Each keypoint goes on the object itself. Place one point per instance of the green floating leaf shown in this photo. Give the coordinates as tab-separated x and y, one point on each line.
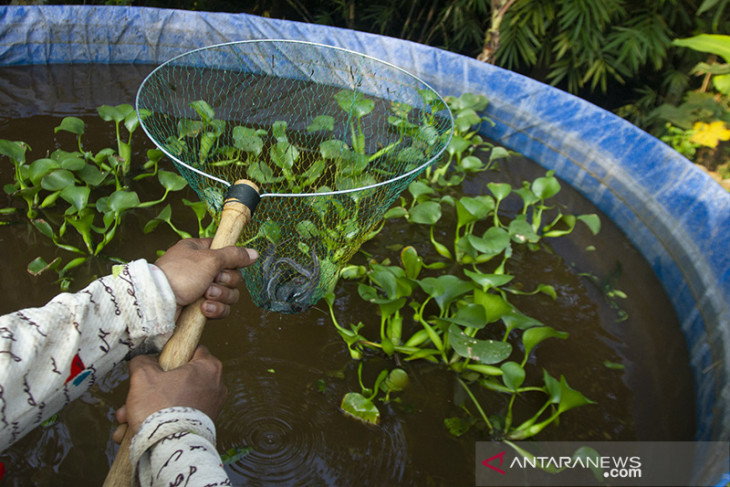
458	426
412	262
204	110
232	455
521	232
121	200
109	113
487	281
71	124
40	168
470	316
248	140
39	265
546	187
592	221
73	163
397	380
513	375
494	305
357	406
354	102
570	398
516	320
76	196
322	122
57	180
13	150
483	351
427	213
500	190
171	181
533	336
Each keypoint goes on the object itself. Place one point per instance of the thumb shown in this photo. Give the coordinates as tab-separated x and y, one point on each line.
234	257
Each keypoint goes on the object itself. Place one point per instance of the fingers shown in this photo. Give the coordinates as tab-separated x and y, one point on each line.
121	414
119	433
142	361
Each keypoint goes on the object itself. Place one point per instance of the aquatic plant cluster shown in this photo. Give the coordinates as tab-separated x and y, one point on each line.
449	304
446	304
78	198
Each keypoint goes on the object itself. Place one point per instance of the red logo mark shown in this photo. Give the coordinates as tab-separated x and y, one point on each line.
501	459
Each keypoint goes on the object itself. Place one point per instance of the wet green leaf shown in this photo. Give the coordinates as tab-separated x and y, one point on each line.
71	124
533	336
232	455
91	175
592	221
483	351
109	113
284	155
13	150
39	265
322	122
500	190
44	227
185	128
487	281
77	196
73	163
396	381
171	181
570	398
204	110
472	209
427	213
418	189
494	241
458	426
412	262
495	307
353	272
260	172
56	180
121	200
470	316
40	168
516	320
354	102
332	149
546	187
521	232
513	375
361	408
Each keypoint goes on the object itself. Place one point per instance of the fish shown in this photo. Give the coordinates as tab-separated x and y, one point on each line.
289	286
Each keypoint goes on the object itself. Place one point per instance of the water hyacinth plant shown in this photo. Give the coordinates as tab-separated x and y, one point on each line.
450	304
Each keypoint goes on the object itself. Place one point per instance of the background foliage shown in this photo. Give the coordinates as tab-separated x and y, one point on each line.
618	54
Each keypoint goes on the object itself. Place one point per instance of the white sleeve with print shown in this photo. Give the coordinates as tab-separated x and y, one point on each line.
49	356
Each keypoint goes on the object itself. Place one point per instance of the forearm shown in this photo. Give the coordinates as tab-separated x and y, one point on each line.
49	356
176	446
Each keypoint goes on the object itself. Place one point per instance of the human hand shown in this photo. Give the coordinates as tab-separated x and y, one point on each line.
197	384
194	270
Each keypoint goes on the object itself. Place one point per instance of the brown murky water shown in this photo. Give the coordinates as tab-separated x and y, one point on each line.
287	374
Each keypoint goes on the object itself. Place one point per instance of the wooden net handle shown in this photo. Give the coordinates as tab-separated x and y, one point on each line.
180	348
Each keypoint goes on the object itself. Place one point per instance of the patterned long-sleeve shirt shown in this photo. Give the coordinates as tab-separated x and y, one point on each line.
49	356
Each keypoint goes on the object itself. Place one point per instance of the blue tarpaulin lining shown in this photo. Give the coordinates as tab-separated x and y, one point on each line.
673	212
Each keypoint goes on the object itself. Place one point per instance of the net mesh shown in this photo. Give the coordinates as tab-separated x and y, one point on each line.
330	136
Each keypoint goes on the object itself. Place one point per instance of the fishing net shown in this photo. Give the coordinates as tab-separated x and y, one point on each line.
330	136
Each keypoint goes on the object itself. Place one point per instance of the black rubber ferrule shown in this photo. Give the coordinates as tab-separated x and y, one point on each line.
244	194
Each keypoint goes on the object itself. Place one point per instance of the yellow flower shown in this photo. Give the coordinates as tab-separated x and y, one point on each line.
710	134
